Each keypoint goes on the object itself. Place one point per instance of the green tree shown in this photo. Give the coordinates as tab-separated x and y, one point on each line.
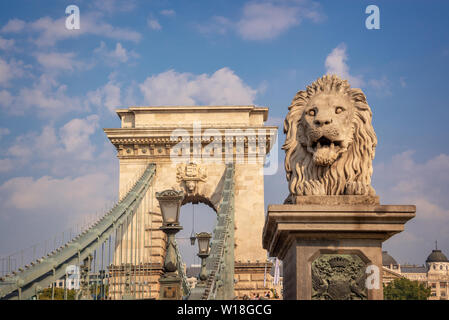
404	289
59	294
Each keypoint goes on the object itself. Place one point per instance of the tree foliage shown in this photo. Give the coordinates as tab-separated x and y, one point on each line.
59	294
71	294
405	289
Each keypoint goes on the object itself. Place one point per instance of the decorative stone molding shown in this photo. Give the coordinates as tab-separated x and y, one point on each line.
189	175
148	143
338	277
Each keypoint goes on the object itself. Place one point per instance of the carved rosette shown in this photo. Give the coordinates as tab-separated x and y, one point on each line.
189	175
339	277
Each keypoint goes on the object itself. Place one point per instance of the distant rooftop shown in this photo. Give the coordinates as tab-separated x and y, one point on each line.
436	256
413	269
388	260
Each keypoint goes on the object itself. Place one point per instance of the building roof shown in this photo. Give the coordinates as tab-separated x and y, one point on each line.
388	260
413	269
436	256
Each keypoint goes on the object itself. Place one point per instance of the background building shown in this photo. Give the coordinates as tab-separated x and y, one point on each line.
435	273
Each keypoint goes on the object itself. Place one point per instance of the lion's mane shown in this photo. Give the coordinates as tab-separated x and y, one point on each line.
354	165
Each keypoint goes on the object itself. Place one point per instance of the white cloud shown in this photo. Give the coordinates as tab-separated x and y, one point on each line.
405	181
72	188
117	55
75	136
168	12
79	195
4	132
51	31
6	44
266	20
6	98
63	150
6	165
217	25
46	95
13	26
154	24
44	145
223	87
336	64
382	86
263	20
49	98
11	70
120	53
108	95
56	60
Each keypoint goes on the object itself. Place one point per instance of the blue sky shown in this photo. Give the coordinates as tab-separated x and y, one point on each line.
59	88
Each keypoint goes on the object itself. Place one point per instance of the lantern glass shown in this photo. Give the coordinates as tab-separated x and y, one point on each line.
203	242
170	212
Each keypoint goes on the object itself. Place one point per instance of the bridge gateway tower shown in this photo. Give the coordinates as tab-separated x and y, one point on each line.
190	147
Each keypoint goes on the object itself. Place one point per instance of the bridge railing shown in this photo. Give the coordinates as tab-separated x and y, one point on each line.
182	274
39	274
21	259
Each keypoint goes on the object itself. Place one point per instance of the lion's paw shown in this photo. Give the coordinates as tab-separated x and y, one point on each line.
359	188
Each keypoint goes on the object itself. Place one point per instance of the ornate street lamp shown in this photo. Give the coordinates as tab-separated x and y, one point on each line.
170	203
203	251
192	239
102	274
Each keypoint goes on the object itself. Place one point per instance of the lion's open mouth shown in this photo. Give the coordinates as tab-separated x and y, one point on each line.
325	151
325	142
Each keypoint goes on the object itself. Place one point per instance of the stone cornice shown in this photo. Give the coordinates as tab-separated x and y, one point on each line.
167	130
137	143
200	109
284	223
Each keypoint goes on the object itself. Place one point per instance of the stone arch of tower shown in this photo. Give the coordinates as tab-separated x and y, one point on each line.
238	134
199	199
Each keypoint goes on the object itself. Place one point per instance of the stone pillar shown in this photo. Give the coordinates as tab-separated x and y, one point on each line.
329	245
236	133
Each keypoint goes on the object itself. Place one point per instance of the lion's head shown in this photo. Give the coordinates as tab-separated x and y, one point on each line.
330	141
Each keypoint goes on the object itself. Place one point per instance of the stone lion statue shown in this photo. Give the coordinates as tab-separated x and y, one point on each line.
330	141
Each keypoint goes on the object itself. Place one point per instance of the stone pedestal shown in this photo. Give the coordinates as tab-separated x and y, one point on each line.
170	287
329	245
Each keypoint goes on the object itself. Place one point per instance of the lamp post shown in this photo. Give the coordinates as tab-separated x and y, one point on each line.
84	291
203	251
170	282
102	274
192	239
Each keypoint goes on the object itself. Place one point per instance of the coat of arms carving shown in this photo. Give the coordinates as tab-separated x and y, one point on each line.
338	277
189	175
